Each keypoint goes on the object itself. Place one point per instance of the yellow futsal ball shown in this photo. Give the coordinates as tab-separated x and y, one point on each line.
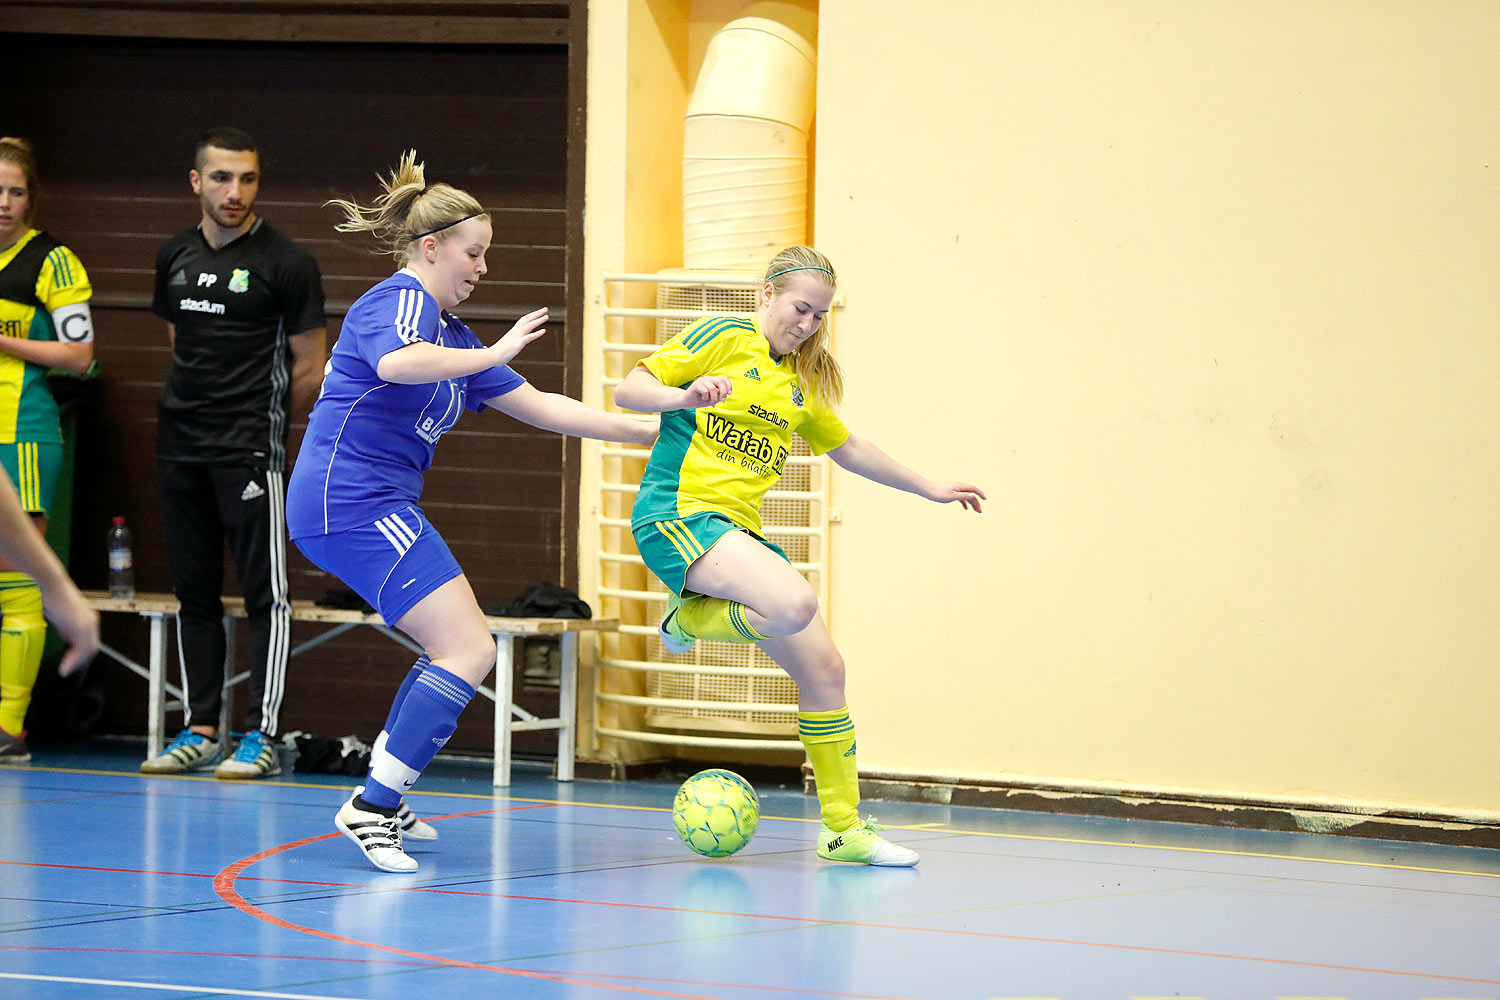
716	812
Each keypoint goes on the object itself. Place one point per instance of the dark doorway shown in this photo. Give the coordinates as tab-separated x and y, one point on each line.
114	121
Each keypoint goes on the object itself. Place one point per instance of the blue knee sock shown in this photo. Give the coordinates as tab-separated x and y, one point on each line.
427	717
423	662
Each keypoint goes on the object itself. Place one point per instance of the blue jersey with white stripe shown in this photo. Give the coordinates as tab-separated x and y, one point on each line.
370	441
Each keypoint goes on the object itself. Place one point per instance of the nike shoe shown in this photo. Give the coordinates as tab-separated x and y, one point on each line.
863	845
676	641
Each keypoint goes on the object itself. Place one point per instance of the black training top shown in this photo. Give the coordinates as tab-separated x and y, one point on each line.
225	401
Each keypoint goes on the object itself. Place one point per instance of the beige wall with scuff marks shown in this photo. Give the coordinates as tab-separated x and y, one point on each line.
1204	295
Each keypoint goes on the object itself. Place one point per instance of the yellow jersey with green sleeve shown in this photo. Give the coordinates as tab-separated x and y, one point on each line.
724	458
38	276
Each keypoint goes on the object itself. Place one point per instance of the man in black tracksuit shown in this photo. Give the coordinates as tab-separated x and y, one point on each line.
244	312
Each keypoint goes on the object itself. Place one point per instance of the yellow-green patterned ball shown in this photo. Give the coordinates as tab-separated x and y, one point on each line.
716	812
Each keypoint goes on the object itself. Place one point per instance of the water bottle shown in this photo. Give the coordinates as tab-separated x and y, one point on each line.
121	568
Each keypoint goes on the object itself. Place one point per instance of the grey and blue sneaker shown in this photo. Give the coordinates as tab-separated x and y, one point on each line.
190	751
255	757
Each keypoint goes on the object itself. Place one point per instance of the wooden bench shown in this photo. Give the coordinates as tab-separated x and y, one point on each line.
158	608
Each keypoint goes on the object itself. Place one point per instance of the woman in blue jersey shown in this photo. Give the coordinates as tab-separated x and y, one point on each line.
402	372
732	392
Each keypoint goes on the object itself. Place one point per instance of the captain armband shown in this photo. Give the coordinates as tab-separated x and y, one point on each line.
74	323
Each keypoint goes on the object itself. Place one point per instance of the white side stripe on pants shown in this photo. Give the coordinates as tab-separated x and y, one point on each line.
278	650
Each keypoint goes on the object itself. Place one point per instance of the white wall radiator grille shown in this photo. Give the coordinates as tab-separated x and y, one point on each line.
720	694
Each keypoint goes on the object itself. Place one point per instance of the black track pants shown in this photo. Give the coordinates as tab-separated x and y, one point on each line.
202	507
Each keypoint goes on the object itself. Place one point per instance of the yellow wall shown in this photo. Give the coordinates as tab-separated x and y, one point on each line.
1204	295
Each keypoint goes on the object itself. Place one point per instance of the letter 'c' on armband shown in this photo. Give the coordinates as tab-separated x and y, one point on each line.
74	323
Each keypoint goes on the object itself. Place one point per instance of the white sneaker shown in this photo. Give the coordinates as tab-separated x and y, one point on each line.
190	751
378	836
255	757
413	827
863	845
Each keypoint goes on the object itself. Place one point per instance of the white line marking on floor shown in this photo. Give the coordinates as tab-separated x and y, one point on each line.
210	990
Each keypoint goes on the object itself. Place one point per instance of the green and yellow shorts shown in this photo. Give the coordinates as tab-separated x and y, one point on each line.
33	468
670	547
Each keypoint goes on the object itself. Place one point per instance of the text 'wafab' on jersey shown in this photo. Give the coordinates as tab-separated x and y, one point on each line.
233	310
38	276
725	457
370	441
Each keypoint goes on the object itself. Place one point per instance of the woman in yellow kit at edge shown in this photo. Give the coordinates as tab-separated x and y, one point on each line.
45	323
732	391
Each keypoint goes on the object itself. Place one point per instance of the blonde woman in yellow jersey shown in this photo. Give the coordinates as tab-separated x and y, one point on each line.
44	323
731	393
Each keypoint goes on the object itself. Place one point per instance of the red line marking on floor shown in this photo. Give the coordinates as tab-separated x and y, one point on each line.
224	886
984	934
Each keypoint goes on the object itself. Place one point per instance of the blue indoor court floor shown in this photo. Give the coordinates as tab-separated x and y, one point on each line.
117	885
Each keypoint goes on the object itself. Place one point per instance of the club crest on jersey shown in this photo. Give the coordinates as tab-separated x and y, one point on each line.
796	394
239	281
753	374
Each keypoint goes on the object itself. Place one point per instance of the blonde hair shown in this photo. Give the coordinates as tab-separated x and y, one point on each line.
18	151
816	368
408	208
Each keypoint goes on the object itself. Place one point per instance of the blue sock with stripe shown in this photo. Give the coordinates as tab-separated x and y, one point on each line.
427	717
423	662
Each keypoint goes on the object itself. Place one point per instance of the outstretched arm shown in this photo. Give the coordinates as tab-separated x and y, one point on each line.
864	459
424	362
565	415
640	391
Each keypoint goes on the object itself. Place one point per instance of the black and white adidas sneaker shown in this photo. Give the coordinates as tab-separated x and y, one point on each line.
377	835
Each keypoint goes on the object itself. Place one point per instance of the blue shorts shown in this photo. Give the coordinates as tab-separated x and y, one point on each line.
670	547
393	563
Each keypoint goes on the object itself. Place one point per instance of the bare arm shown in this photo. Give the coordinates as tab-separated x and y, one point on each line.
309	355
640	391
22	546
864	459
72	351
424	362
554	412
50	353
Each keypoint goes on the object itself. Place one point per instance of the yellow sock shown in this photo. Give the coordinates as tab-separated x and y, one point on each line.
23	632
716	618
829	739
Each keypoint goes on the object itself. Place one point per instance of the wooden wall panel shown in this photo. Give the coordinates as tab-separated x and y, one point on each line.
114	121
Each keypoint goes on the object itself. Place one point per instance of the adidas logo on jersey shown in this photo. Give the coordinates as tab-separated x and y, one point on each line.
178	279
252	491
753	374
